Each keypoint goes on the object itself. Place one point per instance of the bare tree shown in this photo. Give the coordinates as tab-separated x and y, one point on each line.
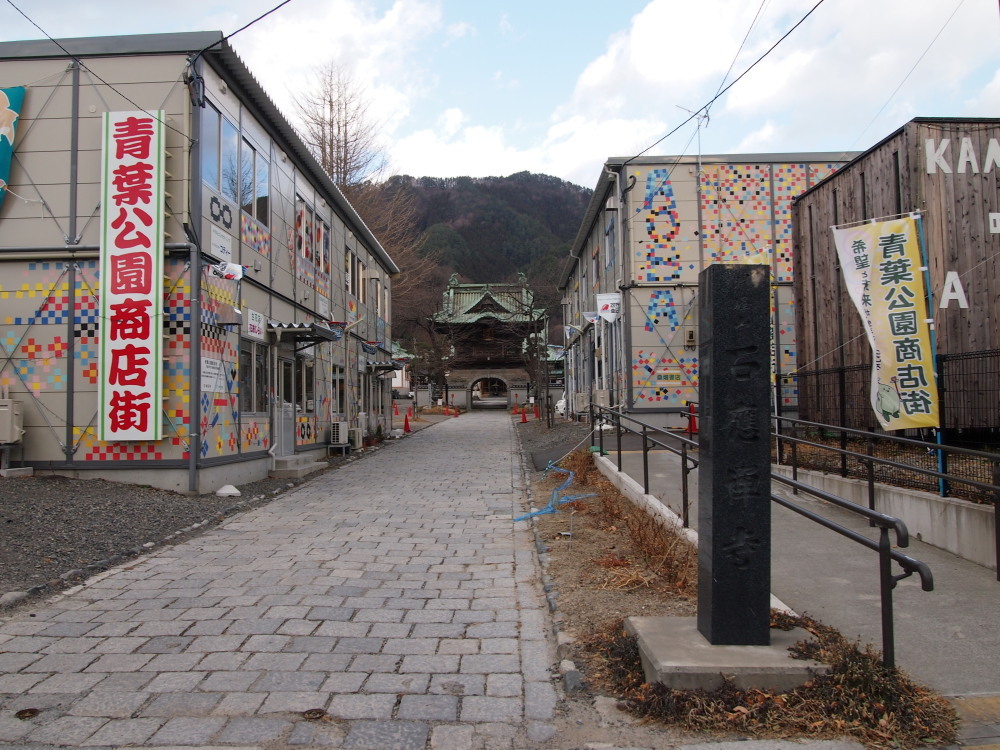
389	209
338	127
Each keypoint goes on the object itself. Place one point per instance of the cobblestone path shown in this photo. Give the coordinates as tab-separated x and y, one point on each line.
394	594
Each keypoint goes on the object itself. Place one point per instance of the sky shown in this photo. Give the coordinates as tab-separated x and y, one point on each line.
475	88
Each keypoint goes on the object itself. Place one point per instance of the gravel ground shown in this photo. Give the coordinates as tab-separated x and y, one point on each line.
55	531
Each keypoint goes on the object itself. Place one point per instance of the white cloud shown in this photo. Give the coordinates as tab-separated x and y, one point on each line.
831	85
451	122
985	102
459	30
474	151
378	49
761	140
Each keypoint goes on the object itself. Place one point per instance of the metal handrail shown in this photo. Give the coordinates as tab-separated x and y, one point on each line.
885	523
992	489
993	458
688	462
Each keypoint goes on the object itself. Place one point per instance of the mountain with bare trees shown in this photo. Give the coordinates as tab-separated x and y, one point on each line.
480	229
488	229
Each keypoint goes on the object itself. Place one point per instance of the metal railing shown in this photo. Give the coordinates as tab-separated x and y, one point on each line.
968	468
651	436
968	390
682	446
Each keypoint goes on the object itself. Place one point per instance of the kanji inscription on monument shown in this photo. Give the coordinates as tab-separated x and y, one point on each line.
734	475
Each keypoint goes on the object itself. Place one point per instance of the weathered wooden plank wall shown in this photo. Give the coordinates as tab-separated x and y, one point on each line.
956	193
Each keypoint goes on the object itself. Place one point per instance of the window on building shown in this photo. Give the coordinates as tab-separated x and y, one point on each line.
262	208
230	161
595	261
322	245
304	219
209	143
362	285
339	404
611	241
253	183
347	270
377	296
305	383
253	377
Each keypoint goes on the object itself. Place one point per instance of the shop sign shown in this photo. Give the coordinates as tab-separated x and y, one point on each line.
131	287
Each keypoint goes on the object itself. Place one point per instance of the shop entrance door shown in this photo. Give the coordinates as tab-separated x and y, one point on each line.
286	408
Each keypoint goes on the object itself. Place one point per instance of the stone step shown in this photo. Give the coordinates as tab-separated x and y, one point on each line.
295	467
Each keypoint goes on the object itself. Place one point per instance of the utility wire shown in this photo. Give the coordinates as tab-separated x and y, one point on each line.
262	16
83	66
726	88
736	57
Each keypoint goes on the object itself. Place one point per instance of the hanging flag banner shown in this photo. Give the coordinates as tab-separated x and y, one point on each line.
591	317
131	286
884	276
10	110
337	329
231	271
609	306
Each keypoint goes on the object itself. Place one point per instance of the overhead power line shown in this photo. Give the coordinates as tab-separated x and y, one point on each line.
83	65
722	91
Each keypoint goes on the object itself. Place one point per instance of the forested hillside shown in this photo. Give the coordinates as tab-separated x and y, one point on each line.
490	228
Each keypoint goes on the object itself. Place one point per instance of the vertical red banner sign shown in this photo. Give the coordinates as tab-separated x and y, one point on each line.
130	388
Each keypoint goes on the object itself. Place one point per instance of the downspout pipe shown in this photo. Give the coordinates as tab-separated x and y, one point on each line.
194	427
72	239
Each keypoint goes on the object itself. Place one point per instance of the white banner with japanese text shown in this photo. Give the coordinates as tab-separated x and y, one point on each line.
883	271
130	386
609	306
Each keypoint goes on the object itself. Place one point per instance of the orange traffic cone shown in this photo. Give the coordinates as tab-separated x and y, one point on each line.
446	412
536	410
395	409
409	411
524	415
456	411
693	419
406	424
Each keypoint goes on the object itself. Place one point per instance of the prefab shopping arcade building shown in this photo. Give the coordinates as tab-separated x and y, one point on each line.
185	295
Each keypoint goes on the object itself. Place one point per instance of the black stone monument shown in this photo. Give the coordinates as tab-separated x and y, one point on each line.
734	506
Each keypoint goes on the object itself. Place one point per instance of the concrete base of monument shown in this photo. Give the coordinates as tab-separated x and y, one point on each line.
676	654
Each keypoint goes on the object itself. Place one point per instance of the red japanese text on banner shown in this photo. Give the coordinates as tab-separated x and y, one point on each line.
884	276
130	388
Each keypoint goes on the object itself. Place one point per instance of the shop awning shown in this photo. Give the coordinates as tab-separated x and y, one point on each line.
306	334
384	366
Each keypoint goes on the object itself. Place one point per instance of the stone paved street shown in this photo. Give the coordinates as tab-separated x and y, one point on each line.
394	593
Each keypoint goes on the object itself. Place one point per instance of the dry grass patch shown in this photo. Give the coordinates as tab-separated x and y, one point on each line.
859	698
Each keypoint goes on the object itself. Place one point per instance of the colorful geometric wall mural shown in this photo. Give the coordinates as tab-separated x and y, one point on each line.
255	235
660	379
661	308
659	259
742	214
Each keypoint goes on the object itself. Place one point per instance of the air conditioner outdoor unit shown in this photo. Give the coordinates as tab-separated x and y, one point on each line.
357	438
11	421
580	402
339	434
602	398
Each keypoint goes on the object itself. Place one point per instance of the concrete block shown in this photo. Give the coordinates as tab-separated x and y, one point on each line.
676	654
